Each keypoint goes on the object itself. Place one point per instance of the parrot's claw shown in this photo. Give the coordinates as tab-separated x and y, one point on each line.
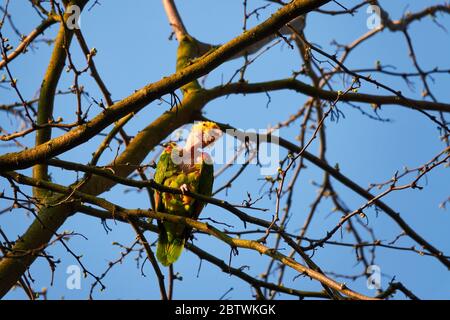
184	188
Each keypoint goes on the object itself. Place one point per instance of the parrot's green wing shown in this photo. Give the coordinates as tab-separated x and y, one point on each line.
161	166
198	179
165	168
169	246
205	185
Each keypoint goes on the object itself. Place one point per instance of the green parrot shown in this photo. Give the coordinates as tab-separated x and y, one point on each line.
187	168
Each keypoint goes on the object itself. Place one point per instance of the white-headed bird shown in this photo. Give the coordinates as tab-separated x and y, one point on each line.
187	169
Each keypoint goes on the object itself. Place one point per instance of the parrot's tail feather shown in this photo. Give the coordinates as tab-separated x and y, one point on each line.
169	251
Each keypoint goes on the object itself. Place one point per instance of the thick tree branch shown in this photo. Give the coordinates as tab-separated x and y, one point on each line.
149	93
301	87
48	91
174	19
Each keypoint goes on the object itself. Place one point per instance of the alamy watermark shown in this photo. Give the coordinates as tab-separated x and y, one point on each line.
374	19
73	21
374	278
254	146
73	281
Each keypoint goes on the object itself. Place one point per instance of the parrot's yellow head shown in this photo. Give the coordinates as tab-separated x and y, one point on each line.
203	134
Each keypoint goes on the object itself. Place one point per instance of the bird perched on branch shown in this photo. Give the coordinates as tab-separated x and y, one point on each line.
187	169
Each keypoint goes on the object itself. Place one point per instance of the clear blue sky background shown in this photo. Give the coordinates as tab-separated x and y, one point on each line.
134	50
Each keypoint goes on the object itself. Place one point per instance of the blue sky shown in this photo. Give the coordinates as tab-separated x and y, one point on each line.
134	50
